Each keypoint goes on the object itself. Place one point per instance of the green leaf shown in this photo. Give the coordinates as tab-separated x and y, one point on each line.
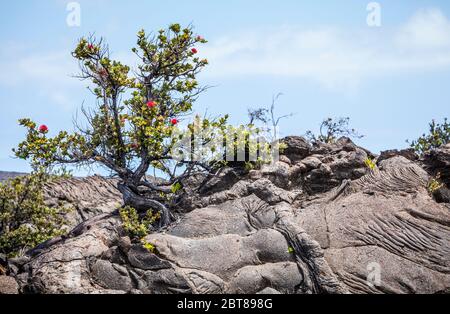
176	187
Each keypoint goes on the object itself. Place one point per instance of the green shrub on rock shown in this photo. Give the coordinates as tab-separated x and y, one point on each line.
136	226
438	135
25	219
331	129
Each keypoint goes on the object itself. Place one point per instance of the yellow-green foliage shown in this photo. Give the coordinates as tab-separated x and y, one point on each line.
25	220
176	187
248	147
249	166
282	146
438	134
148	246
137	227
370	163
435	184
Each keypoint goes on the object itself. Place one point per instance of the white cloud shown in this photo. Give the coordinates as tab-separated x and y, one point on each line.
49	75
46	74
427	29
46	67
334	57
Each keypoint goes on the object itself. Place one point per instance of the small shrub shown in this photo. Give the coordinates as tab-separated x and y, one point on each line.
370	163
176	187
137	227
246	147
435	184
25	220
149	247
438	135
331	130
268	118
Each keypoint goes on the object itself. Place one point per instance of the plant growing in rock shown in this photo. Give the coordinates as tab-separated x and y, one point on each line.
438	135
268	118
133	126
370	163
25	220
149	246
435	184
265	123
137	227
331	129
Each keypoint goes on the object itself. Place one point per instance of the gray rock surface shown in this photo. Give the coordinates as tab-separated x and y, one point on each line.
438	161
91	196
317	221
8	285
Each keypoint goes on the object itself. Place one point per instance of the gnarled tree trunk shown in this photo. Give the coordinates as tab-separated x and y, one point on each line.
142	203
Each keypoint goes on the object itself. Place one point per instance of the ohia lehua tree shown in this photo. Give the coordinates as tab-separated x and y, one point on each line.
131	128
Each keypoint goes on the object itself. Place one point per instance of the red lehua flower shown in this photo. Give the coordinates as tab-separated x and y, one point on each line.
151	104
134	145
174	121
91	47
43	128
199	38
194	50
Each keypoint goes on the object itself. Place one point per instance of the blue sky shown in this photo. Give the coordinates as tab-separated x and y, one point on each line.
390	80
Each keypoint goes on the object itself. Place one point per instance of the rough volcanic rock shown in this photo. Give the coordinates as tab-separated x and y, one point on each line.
85	197
8	285
297	147
330	164
442	195
407	153
438	162
316	221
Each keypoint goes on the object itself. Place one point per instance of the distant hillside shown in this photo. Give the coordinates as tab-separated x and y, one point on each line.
5	175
